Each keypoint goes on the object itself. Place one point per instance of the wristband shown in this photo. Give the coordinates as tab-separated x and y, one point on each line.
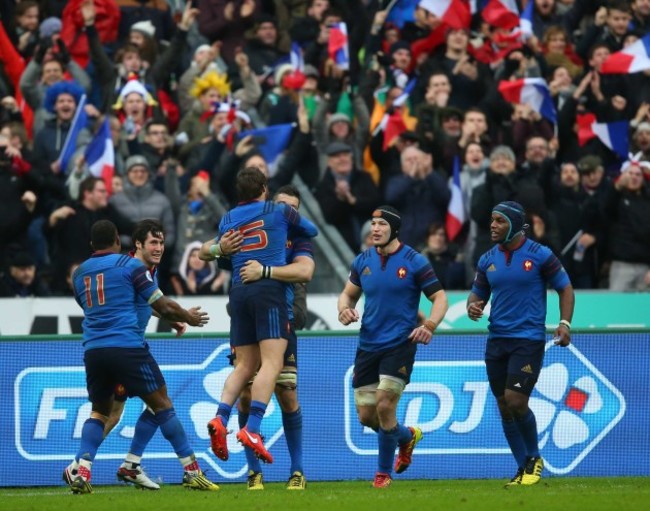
565	323
429	325
267	272
215	250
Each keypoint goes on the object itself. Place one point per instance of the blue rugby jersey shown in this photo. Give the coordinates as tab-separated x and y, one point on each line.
109	287
264	226
391	286
296	247
517	282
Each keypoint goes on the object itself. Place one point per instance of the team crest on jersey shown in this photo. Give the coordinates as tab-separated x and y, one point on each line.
492	268
119	391
289	243
528	265
366	271
401	272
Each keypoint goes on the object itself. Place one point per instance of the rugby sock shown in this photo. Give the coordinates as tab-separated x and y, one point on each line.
145	429
92	435
173	431
515	441
223	412
387	441
292	423
255	416
528	429
404	434
252	460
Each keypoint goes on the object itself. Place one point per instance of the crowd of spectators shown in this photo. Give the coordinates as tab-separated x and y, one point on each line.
177	82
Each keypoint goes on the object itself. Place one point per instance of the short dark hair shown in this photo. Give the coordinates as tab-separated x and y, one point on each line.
103	234
618	5
88	185
144	227
250	184
289	190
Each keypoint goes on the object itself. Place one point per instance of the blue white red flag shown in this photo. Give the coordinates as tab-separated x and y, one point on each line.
297	62
453	13
100	155
501	13
530	91
633	59
338	45
455	210
70	145
614	135
271	142
526	21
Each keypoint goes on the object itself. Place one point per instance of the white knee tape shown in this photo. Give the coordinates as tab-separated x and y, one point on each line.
288	380
366	395
391	384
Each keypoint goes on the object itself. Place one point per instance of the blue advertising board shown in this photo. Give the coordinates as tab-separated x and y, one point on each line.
592	404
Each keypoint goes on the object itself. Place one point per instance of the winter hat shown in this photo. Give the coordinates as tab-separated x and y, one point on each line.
337	117
514	213
49	27
144	27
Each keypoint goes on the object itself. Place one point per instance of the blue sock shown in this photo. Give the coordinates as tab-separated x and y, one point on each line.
515	441
292	423
528	428
145	429
404	435
223	412
92	435
387	441
255	416
173	431
252	460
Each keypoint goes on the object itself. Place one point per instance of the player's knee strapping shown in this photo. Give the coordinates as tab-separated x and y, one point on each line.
288	380
391	384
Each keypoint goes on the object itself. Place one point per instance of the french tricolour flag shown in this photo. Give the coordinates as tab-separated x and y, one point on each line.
502	13
271	142
455	210
530	91
613	134
453	13
632	59
70	145
100	155
338	45
526	21
297	62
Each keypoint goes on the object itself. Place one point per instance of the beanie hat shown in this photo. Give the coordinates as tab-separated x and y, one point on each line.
135	160
514	213
337	117
49	27
144	27
392	216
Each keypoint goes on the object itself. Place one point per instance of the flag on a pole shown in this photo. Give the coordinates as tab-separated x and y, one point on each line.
70	145
455	210
100	155
530	91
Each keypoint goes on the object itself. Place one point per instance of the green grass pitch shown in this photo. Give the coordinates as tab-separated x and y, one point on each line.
563	494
